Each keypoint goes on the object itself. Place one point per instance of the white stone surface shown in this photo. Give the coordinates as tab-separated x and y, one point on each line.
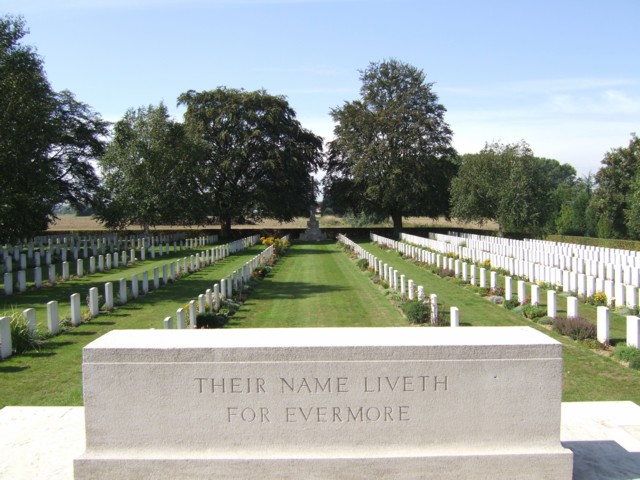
41	442
324	403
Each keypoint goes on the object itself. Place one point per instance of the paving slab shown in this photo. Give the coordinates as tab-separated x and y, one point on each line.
42	442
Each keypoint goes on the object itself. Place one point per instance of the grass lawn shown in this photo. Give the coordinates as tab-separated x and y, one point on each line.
53	375
316	285
588	375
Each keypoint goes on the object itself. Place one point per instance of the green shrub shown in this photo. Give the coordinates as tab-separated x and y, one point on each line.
626	352
363	264
446	272
210	320
545	321
532	312
22	338
416	312
510	304
577	328
635	362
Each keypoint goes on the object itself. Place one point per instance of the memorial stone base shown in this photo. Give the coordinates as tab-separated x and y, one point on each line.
344	403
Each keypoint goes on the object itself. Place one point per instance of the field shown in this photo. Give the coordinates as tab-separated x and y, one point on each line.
68	223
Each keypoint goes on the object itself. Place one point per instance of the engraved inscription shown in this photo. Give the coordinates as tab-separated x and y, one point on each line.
321	387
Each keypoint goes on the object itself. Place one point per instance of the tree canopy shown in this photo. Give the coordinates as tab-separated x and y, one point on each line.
148	170
255	158
508	184
392	153
618	191
47	140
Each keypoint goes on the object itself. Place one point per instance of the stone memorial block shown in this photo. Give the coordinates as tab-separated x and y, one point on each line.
331	403
92	265
168	321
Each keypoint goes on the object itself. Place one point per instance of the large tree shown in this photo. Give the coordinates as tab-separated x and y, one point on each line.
257	160
148	172
392	153
617	191
508	184
47	140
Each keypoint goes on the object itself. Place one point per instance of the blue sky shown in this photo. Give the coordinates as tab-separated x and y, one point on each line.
563	75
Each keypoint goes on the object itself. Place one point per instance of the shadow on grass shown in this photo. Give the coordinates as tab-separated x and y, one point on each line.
13	369
80	333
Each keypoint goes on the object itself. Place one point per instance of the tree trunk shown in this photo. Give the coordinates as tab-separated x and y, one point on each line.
500	233
396	217
225	226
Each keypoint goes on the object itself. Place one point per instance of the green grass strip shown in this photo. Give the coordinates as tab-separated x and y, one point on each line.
316	285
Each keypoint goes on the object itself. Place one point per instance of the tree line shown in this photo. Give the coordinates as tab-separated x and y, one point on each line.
243	155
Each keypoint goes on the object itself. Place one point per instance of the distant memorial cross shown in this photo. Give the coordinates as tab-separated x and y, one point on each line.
313	232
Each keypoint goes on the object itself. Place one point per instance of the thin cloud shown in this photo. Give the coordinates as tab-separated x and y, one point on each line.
538	87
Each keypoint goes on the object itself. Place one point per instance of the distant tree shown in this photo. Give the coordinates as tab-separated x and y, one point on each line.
148	172
576	216
392	153
256	161
47	140
616	191
508	184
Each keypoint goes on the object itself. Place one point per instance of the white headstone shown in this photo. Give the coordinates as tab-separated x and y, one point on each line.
53	323
633	331
75	309
455	317
6	349
552	308
603	324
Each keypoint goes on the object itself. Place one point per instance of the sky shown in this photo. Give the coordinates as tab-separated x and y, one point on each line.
562	75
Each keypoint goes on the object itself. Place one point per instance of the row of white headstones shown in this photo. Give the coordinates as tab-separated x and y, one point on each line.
214	297
397	281
441	250
170	272
103	261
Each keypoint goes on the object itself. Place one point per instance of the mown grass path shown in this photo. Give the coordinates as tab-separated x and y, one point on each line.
53	375
316	285
588	376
